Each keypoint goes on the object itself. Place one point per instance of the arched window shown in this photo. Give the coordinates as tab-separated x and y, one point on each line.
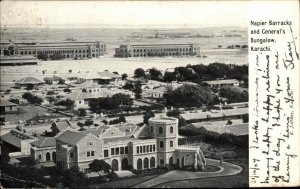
139	164
171	161
48	156
161	144
171	143
115	165
146	163
160	130
152	162
171	129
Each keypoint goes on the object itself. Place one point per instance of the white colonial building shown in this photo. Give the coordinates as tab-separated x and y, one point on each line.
145	147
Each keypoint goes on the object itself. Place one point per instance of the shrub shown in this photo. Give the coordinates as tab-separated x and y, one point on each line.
67	90
50	92
173	113
88	122
81	112
112	176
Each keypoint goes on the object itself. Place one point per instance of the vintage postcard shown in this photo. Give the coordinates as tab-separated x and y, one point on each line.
149	94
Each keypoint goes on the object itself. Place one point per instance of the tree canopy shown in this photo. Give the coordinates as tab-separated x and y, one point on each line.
234	94
139	72
155	74
31	98
138	90
148	114
99	166
190	96
69	104
118	100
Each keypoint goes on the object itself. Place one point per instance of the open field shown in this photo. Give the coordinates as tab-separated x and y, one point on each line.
113	37
26	112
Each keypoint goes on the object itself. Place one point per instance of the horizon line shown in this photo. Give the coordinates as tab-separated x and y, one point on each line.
66	26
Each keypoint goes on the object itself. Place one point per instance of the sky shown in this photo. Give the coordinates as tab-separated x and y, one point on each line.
123	14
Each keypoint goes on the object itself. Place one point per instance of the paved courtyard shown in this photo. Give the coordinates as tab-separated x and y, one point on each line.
225	170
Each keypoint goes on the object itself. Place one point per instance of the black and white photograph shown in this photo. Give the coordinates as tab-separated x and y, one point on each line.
124	94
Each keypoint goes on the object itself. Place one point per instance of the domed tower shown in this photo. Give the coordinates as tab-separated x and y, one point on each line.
165	130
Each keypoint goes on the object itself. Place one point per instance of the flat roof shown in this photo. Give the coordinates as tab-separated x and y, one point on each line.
214	114
225	81
4	103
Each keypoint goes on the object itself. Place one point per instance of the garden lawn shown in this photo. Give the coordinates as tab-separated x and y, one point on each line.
240	180
124	183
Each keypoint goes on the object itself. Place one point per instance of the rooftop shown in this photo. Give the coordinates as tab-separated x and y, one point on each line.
78	95
14	137
163	120
70	137
4	103
29	80
43	142
225	81
158	44
237	128
62	125
214	114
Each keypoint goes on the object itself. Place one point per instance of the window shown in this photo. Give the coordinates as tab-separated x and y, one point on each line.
151	129
171	143
117	151
137	149
126	150
162	161
71	155
141	149
147	148
88	153
153	147
92	153
105	153
40	156
161	144
171	129
122	150
150	148
79	101
112	151
144	149
160	130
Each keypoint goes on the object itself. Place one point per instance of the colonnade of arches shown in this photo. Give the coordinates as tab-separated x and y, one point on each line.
146	163
48	156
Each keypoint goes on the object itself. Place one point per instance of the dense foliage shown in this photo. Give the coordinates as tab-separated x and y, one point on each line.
32	99
148	114
190	96
69	104
99	166
234	94
118	100
198	73
139	72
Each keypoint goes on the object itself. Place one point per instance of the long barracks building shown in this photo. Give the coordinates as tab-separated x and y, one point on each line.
157	50
69	49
